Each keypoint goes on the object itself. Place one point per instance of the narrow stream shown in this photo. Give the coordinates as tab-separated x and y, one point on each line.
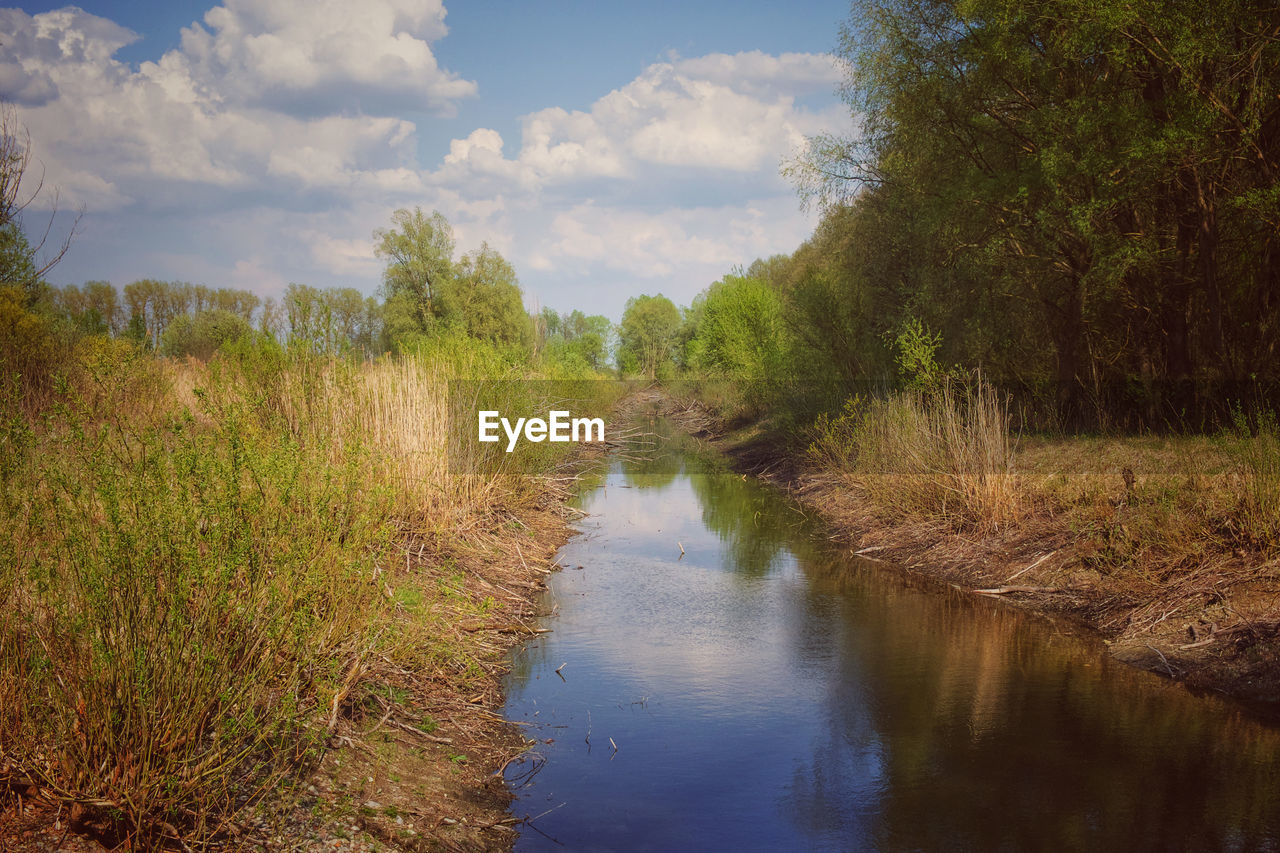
764	692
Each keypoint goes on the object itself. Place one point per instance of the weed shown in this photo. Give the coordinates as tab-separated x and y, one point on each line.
205	556
943	450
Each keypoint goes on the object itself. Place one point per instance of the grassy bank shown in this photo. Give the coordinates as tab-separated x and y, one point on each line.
227	576
1166	545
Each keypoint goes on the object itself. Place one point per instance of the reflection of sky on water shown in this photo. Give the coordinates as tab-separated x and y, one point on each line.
767	694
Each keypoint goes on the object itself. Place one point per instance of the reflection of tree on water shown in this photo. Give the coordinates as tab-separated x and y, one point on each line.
753	523
948	722
654	453
996	735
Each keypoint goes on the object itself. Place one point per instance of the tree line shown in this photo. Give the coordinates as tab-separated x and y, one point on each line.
427	294
1080	200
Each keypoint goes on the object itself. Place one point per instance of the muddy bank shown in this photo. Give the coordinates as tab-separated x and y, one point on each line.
1212	626
420	768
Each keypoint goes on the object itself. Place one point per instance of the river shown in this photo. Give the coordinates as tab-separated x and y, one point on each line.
763	690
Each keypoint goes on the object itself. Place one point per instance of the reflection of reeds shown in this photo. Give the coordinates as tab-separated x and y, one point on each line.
972	699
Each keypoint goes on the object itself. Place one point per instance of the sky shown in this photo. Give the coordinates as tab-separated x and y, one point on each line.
606	149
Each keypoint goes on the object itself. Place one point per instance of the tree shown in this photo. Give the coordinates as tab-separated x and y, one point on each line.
271	321
201	335
740	331
575	340
647	334
94	309
484	299
419	253
20	263
546	326
140	299
102	299
426	292
306	316
17	260
1076	195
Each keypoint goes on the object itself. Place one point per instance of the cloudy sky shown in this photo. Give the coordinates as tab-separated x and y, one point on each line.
607	149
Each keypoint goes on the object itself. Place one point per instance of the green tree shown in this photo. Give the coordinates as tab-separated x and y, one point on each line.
484	299
427	292
307	317
740	330
419	254
204	333
647	335
271	319
1074	194
575	340
17	260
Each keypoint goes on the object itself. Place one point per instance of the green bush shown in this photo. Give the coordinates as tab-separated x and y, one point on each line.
204	334
181	593
740	335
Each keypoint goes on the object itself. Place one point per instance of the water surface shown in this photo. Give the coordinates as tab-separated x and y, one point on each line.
765	691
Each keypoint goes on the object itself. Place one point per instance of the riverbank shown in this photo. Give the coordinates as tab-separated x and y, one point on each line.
264	604
414	756
419	761
1122	554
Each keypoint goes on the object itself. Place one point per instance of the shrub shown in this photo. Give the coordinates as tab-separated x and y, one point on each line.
181	594
204	334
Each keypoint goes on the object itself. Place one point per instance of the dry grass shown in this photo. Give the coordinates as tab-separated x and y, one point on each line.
213	563
948	454
1166	542
944	452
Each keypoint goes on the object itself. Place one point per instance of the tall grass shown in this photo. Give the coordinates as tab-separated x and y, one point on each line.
200	566
181	594
1255	446
943	451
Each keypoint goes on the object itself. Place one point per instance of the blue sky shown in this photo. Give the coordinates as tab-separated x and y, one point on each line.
606	149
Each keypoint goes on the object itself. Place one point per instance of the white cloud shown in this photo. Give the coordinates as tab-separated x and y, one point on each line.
32	46
205	115
719	114
561	144
755	72
273	141
316	56
256	274
659	244
343	256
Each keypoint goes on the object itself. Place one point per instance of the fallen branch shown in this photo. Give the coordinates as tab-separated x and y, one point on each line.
1167	667
1005	590
1030	567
